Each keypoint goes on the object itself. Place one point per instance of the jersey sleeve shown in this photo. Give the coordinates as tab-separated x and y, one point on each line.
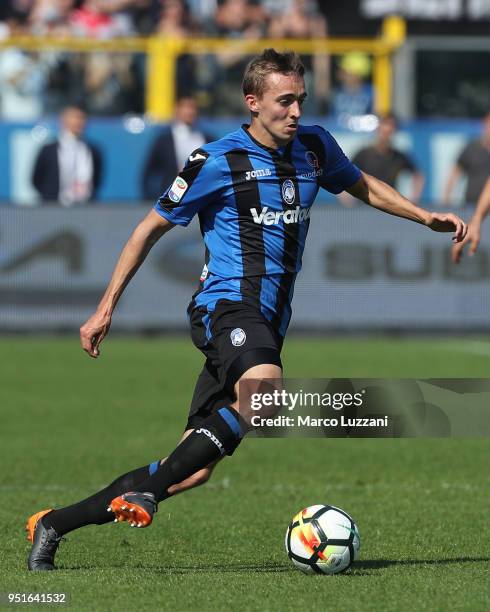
196	186
338	172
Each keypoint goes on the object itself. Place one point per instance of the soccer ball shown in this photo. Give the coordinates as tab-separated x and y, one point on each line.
322	540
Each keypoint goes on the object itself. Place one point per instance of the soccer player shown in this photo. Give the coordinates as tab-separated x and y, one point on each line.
253	191
474	226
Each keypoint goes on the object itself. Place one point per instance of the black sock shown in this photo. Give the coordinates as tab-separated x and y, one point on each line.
218	435
93	510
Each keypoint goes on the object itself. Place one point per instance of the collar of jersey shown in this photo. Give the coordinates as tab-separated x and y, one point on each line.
281	152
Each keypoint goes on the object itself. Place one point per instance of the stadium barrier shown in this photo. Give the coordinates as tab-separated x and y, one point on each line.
125	144
362	270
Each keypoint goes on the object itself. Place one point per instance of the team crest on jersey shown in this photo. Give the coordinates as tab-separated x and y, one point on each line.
312	159
288	194
177	190
238	337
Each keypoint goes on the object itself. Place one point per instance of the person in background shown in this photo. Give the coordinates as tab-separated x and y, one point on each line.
96	19
68	171
474	226
15	11
384	161
175	20
353	96
51	17
474	162
303	19
171	149
22	79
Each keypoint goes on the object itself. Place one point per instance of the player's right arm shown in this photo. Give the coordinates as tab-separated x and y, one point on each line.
196	185
474	226
146	234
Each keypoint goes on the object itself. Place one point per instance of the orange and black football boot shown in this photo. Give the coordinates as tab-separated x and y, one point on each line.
135	508
45	542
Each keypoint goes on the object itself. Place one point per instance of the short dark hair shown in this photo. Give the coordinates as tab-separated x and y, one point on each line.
268	62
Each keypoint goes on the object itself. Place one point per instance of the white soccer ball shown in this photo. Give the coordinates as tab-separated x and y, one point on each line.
322	540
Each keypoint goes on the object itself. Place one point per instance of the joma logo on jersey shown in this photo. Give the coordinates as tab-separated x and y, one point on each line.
251	174
274	217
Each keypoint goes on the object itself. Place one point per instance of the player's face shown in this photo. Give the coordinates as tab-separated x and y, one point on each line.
278	111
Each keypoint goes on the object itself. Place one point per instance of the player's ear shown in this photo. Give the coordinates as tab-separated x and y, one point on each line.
252	102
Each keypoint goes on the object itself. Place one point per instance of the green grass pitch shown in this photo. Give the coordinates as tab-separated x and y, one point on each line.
70	425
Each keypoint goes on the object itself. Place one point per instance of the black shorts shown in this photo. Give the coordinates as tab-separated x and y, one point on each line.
240	338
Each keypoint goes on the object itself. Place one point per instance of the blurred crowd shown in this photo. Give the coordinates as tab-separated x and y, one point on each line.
177	18
37	83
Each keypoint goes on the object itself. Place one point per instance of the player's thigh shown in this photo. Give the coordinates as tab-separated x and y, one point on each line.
258	392
244	340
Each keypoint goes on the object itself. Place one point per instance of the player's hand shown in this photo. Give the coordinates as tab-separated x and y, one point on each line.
447	222
472	237
93	332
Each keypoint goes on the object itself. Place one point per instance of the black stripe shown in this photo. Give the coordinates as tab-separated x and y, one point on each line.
285	170
315	567
322	510
337	542
247	196
189	173
321	534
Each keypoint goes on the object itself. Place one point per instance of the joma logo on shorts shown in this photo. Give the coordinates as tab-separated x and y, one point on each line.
256	173
213	438
274	217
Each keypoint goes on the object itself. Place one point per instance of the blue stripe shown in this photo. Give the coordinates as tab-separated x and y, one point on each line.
154	467
231	421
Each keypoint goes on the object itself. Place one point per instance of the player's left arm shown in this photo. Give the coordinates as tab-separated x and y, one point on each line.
378	194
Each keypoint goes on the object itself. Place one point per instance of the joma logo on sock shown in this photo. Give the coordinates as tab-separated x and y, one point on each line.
274	217
213	438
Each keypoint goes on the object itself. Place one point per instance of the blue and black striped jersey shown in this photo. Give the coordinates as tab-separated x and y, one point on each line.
254	205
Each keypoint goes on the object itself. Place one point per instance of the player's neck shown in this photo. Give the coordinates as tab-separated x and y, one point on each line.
263	137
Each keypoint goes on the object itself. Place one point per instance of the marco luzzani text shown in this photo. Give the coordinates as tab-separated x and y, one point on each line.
300	400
